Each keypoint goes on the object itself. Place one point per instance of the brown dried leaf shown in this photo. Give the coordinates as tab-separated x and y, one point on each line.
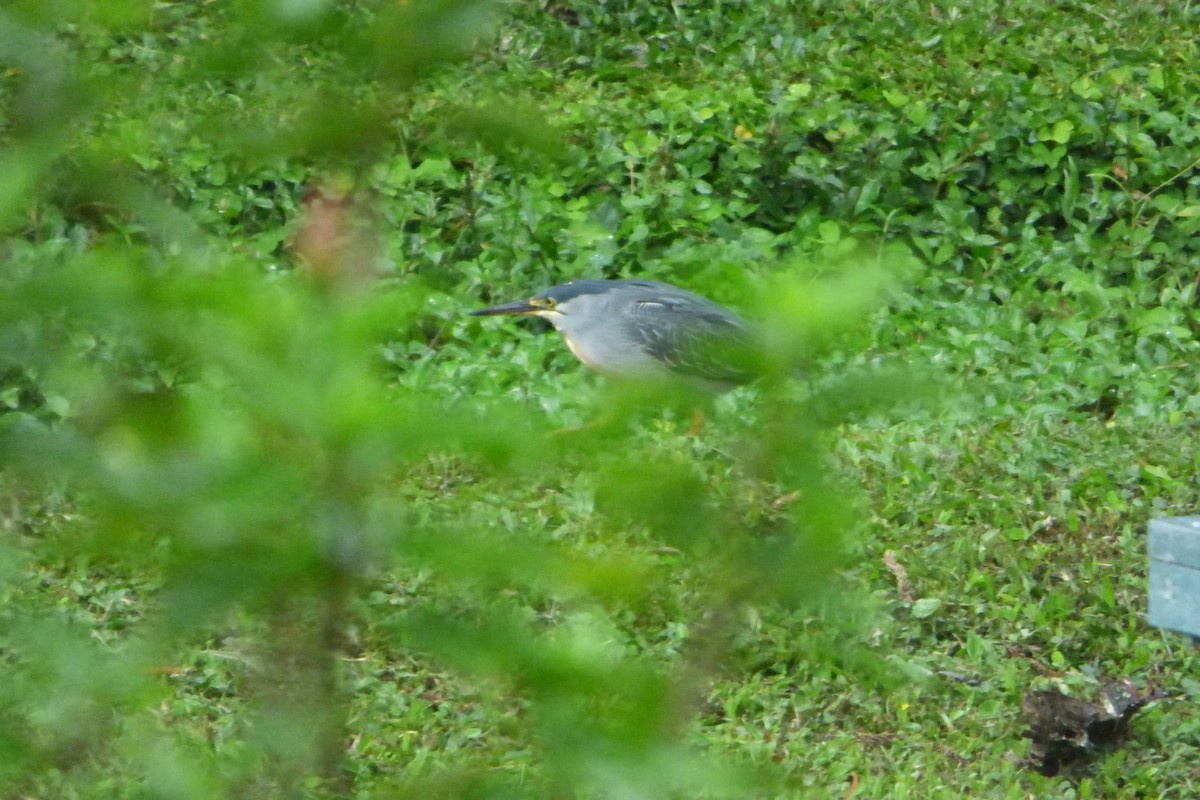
903	585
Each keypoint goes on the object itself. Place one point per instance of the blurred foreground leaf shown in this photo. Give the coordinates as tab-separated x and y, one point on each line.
245	472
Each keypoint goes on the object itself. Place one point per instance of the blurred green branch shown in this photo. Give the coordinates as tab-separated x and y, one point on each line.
231	429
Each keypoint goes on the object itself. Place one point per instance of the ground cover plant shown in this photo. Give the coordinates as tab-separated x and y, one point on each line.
280	520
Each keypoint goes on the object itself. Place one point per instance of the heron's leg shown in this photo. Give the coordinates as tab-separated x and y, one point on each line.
605	420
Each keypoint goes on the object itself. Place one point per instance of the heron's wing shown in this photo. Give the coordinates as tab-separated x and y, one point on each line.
697	338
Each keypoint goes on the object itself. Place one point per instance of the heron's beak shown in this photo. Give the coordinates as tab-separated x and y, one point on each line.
519	307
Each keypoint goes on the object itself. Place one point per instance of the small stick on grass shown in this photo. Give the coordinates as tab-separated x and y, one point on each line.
903	585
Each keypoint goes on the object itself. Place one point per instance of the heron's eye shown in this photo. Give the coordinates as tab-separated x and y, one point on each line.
548	302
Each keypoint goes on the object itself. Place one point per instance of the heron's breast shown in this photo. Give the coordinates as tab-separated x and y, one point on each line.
617	362
582	354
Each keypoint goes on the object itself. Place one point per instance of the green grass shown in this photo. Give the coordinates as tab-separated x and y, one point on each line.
279	529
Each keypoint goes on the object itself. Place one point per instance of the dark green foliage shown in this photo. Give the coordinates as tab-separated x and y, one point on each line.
277	520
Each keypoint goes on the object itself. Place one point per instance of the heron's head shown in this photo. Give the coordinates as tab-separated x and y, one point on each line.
556	304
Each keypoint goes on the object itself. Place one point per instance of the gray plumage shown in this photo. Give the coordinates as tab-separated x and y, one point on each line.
646	329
